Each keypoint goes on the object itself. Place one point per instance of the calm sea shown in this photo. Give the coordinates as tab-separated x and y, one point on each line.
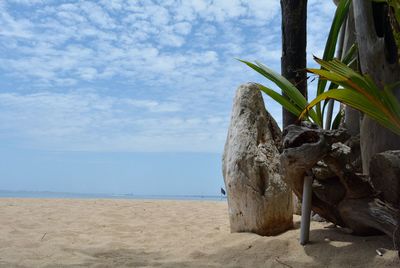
39	194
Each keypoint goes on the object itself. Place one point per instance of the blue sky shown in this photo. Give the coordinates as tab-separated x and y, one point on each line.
118	96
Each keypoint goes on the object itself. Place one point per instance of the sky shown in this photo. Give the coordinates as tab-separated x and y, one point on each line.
119	96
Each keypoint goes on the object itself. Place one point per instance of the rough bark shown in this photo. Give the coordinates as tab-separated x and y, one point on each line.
385	178
293	61
352	116
340	194
385	174
378	60
259	201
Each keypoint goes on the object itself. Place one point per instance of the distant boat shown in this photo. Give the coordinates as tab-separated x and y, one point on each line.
223	191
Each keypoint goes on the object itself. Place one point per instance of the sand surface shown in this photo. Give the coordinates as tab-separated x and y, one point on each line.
146	233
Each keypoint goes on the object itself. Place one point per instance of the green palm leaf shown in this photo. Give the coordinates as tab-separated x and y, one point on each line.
330	46
292	100
281	100
359	92
358	101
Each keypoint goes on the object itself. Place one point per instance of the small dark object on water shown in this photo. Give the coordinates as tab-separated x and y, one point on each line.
223	191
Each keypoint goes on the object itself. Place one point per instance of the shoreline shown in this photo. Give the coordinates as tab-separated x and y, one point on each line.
67	195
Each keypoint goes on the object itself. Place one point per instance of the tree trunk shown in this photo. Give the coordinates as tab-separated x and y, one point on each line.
294	41
294	59
352	116
379	60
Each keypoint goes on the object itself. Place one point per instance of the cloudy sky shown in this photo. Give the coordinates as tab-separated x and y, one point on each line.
130	96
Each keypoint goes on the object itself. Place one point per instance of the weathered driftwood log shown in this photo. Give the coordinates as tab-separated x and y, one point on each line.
386	165
377	53
259	201
340	194
352	117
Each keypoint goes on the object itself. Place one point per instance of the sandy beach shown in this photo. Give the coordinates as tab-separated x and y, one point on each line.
154	233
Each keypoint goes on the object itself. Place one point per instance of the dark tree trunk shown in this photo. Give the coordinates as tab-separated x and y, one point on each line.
294	40
294	61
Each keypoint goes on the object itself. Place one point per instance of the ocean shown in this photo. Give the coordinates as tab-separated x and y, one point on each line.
47	194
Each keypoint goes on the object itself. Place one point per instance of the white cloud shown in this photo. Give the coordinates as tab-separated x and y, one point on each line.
88	28
12	27
154	106
87	73
183	28
78	121
264	11
222	10
97	15
113	5
27	2
169	67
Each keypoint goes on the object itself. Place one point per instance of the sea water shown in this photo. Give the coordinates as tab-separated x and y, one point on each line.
46	194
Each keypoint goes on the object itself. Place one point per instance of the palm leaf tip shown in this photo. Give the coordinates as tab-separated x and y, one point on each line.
359	92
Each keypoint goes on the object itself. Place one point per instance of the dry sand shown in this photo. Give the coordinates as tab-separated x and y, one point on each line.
147	233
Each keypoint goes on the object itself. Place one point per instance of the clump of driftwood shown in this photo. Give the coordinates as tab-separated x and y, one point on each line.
341	193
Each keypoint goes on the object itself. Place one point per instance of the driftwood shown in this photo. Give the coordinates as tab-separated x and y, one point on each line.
353	117
259	201
340	194
378	58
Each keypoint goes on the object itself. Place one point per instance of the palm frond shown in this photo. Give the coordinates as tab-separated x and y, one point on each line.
291	99
359	92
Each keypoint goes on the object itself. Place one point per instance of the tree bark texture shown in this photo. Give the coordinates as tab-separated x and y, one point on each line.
294	41
294	58
379	60
352	116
